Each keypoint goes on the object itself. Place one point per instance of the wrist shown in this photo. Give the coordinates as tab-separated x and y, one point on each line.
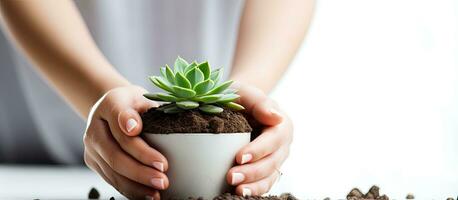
109	78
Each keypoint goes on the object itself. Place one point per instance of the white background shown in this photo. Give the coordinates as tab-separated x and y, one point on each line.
374	96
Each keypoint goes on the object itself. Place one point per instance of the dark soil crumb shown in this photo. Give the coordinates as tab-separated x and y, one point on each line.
327	198
373	193
410	196
288	196
194	121
355	192
93	194
112	198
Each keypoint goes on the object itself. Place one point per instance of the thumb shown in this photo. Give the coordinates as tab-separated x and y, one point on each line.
129	119
267	112
259	105
130	122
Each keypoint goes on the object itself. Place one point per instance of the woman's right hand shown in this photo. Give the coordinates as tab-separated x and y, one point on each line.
114	149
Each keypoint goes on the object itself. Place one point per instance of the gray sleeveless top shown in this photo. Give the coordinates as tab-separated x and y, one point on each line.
137	37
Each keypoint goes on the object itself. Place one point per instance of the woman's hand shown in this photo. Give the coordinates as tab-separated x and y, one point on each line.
260	161
115	151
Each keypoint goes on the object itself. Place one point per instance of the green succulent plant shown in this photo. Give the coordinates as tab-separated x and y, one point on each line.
192	86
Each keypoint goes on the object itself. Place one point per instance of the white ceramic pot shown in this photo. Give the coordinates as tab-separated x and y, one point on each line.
198	162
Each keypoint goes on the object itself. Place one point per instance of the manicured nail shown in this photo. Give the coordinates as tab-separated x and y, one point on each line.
158	183
149	198
275	112
246	192
237	178
131	124
246	158
159	166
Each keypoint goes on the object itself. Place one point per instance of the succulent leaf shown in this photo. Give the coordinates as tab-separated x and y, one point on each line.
234	106
226	98
167	97
195	76
205	68
221	88
169	74
190	66
204	86
187	104
153	97
211	109
154	81
183	92
162	108
230	91
182	81
180	64
209	98
172	109
163	72
160	83
216	75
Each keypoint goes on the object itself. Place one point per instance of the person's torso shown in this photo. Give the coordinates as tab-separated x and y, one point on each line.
137	37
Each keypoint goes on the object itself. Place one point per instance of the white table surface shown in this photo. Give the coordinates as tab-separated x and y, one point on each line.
51	182
20	182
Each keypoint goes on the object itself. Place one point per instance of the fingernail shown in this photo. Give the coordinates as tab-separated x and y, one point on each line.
131	124
246	158
246	192
275	112
149	198
159	166
237	178
157	183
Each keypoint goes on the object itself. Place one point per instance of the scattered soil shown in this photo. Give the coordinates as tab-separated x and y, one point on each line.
194	121
373	194
93	194
410	196
354	194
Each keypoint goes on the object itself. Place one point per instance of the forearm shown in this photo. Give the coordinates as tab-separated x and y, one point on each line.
269	35
55	39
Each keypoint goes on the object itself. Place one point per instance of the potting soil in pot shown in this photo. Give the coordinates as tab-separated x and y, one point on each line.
194	121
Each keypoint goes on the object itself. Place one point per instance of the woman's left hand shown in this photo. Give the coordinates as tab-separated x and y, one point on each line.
259	161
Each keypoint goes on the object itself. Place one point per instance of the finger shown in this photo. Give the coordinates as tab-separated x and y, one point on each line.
271	139
257	188
126	187
90	162
258	170
259	105
93	165
139	149
105	146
